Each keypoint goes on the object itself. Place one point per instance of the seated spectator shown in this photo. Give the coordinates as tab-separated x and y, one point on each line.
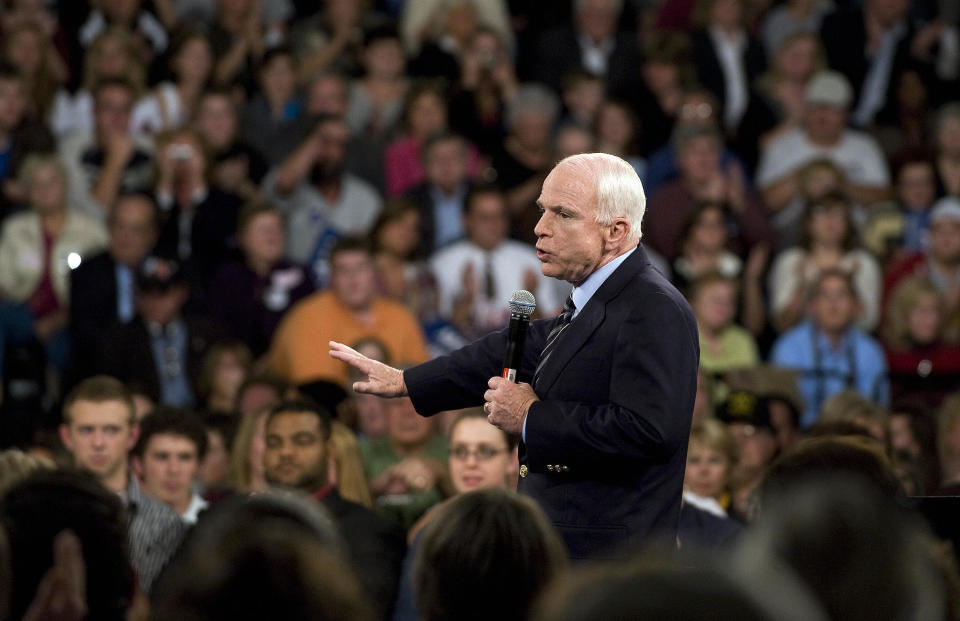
442	194
213	476
27	47
263	556
274	107
823	134
703	177
947	144
258	391
330	38
346	466
113	55
912	434
102	286
238	41
199	223
249	297
790	17
617	130
375	100
910	118
160	349
110	160
99	431
38	248
166	459
828	350
236	167
476	276
526	154
668	73
247	474
581	93
921	343
727	57
898	229
711	459
850	407
724	345
939	262
173	102
224	369
66	525
297	457
747	416
320	200
703	245
347	312
407	468
829	242
485	541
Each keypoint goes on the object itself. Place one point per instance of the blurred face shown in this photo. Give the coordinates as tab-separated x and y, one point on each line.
110	58
263	238
255	397
725	13
371	416
427	115
945	241
584	98
781	418
25	51
112	110
901	435
384	58
120	11
820	180
758	446
162	306
911	91
796	60
597	19
168	467
46	190
132	230
834	307
195	60
229	375
660	75
12	104
479	456
328	95
923	320
710	230
217	121
332	151
707	471
715	305
279	79
532	129
402	234
572	141
828	224
296	453
486	221
405	426
614	126
352	279
699	159
825	124
99	436
888	12
916	186
215	467
445	165
948	135
570	242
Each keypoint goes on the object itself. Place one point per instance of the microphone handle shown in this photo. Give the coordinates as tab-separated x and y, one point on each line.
516	336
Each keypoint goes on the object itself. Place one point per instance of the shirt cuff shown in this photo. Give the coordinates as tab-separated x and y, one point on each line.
523	432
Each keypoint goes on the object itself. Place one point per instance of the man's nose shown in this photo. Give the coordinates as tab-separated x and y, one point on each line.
541	228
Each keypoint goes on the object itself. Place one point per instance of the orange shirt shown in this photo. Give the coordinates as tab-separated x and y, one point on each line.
299	352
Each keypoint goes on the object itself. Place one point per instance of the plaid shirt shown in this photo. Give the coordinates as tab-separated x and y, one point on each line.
154	534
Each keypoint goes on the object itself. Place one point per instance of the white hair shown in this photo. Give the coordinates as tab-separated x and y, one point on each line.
618	189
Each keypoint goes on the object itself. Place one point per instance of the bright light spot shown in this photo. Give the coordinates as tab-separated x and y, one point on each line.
73	260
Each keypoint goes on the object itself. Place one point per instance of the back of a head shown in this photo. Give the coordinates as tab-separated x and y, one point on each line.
486	555
48	502
262	557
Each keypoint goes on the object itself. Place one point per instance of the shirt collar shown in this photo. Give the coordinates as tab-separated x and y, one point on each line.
582	294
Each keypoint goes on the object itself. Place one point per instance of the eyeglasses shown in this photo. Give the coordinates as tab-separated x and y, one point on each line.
483	452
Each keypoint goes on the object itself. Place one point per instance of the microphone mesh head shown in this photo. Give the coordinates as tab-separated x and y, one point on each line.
523	303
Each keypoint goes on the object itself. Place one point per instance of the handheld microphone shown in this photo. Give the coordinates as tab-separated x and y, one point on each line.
522	305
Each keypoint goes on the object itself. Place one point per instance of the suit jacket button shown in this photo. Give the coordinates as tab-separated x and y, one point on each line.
523	471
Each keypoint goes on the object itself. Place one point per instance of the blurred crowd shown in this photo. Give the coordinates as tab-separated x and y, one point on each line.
197	195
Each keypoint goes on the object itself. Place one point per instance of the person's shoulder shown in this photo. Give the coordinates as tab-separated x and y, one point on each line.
99	262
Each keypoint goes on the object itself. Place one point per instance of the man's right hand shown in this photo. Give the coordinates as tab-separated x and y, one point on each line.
382	380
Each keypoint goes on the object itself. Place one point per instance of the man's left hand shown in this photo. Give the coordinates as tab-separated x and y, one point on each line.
507	404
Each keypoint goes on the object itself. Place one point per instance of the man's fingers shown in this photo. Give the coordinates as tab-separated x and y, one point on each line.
68	557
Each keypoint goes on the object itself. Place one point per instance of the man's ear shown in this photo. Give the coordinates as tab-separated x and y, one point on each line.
617	232
137	464
134	436
65	437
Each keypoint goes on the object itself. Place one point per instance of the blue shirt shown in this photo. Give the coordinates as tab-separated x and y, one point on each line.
169	345
582	294
124	292
447	216
857	363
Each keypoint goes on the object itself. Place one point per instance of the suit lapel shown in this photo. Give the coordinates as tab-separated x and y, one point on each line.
588	320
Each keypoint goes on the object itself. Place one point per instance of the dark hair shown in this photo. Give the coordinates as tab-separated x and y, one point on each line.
832	272
105	83
252	210
484	542
577	76
278	384
832	197
433	86
351	244
382	32
439	137
99	389
48	502
393	209
480	189
693	218
223	424
910	156
478	414
304	406
278	51
142	196
260	557
165	420
185	33
9	72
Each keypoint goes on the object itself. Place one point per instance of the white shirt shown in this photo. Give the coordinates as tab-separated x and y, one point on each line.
873	95
595	56
857	154
197	504
730	54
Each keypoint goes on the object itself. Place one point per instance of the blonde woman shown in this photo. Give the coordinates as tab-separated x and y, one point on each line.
346	467
711	457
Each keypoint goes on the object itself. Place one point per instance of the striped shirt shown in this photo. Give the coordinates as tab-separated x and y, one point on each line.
154	533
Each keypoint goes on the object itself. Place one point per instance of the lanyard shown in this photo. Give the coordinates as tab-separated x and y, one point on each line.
820	373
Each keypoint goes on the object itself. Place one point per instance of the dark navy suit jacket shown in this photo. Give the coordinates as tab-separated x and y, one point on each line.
605	448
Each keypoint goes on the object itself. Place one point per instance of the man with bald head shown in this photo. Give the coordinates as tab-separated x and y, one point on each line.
606	389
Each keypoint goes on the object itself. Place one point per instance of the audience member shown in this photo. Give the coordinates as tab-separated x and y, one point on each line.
790	17
275	107
711	458
948	445
947	145
849	406
26	46
892	231
346	312
99	431
375	100
236	167
617	130
213	476
442	195
166	459
223	370
297	456
247	473
346	466
724	345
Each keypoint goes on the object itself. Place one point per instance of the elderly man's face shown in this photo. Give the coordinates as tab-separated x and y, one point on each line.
570	243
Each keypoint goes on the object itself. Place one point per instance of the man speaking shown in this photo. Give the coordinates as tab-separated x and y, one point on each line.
606	414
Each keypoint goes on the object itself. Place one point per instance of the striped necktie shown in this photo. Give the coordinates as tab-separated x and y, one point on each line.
562	321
